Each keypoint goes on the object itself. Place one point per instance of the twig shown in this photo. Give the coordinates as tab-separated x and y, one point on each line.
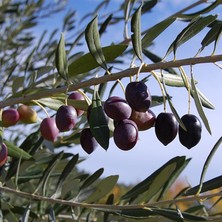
119	75
106	206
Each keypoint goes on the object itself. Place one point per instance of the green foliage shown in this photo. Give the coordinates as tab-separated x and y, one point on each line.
41	180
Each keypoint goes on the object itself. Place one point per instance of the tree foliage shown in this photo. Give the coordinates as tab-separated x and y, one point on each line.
40	180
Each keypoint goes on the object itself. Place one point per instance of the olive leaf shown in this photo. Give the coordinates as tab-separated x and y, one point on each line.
61	59
199	105
136	36
93	42
193	28
97	121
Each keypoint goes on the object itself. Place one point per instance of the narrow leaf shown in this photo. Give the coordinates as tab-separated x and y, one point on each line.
110	52
199	106
205	102
61	59
207	162
145	184
136	36
209	185
148	5
155	31
92	178
49	169
103	188
16	152
52	217
212	36
197	25
25	216
66	171
93	41
157	183
98	123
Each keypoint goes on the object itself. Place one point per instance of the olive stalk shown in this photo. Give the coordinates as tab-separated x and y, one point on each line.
107	78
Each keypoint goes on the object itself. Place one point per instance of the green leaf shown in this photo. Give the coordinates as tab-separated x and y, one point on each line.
196	25
199	106
213	35
147	5
209	185
61	59
207	162
92	178
171	214
98	123
145	185
170	79
93	41
205	102
202	11
52	217
51	103
157	183
136	36
25	216
16	152
66	171
47	172
105	24
155	31
110	52
103	188
181	164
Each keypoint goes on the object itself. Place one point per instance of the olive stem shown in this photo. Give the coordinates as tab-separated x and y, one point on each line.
125	73
161	88
107	206
42	107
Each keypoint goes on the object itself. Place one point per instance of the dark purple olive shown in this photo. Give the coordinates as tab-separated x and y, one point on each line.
87	141
10	117
3	154
117	108
143	120
77	96
125	134
138	96
166	127
48	129
66	118
192	136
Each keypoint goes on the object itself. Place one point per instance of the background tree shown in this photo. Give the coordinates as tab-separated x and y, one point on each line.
39	73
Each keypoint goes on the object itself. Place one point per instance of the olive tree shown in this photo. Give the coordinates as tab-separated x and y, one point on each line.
59	92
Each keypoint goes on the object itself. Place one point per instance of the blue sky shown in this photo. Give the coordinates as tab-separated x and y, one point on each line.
149	154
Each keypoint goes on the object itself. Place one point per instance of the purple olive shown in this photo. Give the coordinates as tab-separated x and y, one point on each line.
87	141
192	135
143	120
66	118
10	117
166	127
138	96
117	108
125	134
48	129
77	96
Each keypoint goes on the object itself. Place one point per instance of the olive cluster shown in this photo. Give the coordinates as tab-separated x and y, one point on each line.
130	115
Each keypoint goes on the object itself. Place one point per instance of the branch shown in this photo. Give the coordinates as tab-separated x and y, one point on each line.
115	76
107	206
